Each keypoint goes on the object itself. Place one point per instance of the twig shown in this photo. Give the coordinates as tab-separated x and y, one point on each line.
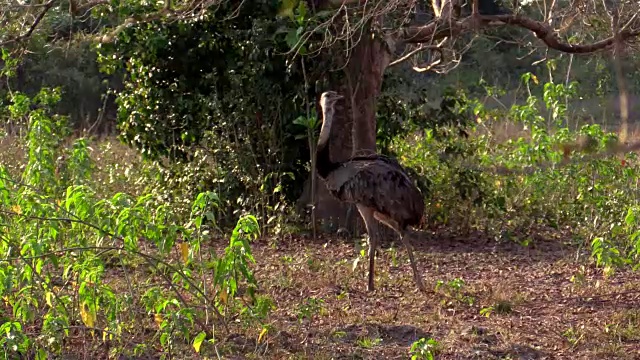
543	31
45	8
312	153
417	50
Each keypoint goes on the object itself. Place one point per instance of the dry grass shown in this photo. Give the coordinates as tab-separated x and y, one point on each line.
116	164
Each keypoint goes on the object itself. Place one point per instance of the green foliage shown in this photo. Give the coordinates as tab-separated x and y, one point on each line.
70	257
214	101
58	54
445	123
424	349
309	309
188	77
537	186
74	70
454	289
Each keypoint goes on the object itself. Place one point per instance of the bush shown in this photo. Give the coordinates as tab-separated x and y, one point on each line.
532	181
102	268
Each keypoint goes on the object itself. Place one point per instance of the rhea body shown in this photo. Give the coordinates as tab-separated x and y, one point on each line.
378	186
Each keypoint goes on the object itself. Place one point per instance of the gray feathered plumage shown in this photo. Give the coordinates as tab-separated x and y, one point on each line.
378	185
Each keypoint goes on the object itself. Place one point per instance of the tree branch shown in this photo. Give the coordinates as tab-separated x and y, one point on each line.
88	6
45	8
415	51
549	37
435	31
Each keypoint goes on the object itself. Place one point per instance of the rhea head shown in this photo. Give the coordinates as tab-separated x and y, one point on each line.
328	99
327	102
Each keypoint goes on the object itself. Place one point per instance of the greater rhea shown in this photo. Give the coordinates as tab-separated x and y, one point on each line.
378	186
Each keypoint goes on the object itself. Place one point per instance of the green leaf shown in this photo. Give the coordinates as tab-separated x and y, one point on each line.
302	12
292	38
197	342
630	219
41	355
286	8
300	120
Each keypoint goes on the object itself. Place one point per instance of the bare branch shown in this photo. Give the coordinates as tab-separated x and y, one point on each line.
447	10
420	48
429	67
631	21
549	37
427	33
435	31
82	9
437	7
45	8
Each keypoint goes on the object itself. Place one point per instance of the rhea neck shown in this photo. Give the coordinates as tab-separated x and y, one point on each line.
324	165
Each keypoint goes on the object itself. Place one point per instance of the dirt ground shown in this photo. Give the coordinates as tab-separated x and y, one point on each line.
546	305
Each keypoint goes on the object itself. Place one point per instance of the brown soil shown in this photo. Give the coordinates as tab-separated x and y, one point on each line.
546	305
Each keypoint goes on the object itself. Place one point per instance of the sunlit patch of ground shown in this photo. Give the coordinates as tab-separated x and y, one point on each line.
486	300
540	302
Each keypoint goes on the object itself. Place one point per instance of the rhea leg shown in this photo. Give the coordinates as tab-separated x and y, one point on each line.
369	222
394	225
416	275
